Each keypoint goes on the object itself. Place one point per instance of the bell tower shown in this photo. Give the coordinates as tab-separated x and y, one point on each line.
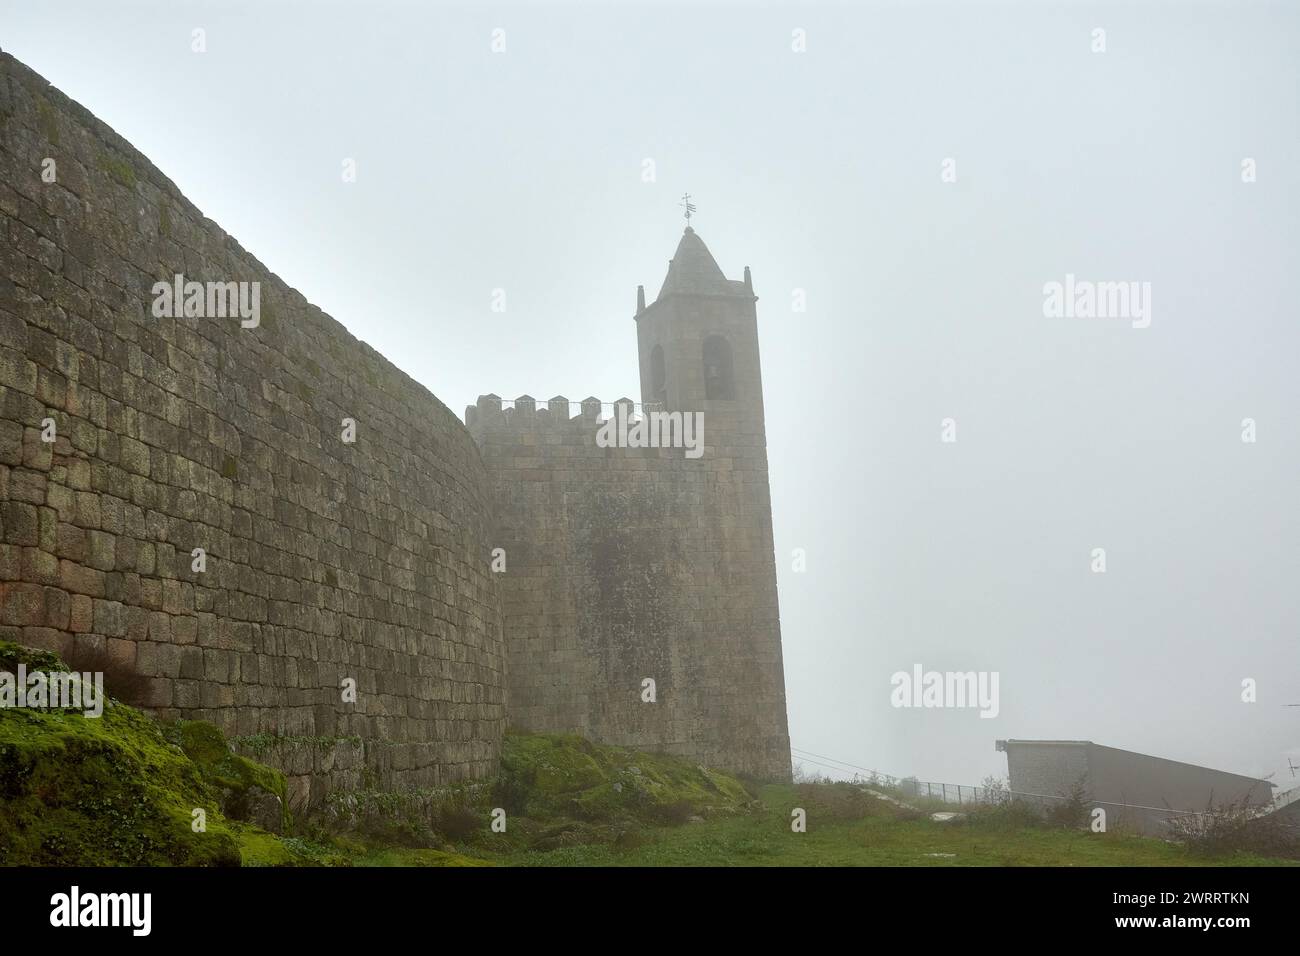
642	562
698	349
698	341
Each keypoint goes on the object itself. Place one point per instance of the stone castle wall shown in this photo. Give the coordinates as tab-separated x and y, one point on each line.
624	564
325	560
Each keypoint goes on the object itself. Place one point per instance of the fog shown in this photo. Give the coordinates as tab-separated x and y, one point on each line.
824	170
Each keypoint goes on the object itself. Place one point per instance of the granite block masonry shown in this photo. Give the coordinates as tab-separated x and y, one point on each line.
346	518
326	561
628	564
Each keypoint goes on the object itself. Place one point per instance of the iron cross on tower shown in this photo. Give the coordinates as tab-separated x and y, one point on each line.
688	206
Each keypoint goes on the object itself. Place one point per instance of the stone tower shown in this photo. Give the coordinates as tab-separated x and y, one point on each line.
635	564
698	342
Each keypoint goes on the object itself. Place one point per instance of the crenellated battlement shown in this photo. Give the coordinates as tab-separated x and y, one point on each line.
526	412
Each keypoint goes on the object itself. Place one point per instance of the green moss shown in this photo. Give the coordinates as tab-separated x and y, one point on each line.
403	856
566	775
106	791
259	848
119	169
236	779
164	220
230	468
48	118
121	789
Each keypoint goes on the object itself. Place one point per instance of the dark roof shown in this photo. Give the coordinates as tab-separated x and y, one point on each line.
693	271
1130	753
1013	741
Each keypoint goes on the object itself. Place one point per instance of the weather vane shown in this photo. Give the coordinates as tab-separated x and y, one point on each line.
688	206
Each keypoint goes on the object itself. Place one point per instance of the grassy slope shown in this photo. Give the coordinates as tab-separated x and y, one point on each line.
884	838
571	813
120	789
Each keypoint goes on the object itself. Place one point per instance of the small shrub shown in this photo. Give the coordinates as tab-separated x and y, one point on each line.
994	790
802	774
121	680
34	659
458	822
1073	810
1008	814
1234	827
511	792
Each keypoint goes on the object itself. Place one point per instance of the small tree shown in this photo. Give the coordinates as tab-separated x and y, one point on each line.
1072	810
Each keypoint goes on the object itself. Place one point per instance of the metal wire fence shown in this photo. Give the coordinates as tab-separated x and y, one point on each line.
961	794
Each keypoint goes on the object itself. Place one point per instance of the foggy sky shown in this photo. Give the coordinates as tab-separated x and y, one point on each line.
821	170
